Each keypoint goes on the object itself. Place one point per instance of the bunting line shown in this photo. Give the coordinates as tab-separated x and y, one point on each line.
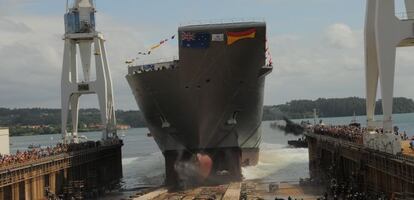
130	62
162	42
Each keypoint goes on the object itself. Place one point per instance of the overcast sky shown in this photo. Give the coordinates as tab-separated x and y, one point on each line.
317	45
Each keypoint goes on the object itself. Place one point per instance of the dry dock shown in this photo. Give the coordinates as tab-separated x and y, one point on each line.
87	170
369	170
246	190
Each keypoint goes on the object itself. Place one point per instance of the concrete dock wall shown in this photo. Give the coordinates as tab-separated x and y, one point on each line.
370	170
4	141
83	173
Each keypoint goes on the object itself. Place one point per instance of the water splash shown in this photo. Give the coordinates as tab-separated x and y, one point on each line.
143	170
276	163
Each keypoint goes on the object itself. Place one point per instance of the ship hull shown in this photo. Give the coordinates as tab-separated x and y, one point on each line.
212	103
162	101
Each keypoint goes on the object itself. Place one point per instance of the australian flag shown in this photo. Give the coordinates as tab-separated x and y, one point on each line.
195	40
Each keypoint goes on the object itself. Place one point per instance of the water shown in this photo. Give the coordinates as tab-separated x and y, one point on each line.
143	163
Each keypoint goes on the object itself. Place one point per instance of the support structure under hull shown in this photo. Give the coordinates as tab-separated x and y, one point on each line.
179	164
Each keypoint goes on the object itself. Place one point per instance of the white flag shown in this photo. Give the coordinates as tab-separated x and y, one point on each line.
217	37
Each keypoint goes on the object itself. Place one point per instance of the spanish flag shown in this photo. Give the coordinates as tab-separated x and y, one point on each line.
233	37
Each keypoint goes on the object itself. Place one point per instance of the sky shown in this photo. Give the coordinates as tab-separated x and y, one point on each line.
317	46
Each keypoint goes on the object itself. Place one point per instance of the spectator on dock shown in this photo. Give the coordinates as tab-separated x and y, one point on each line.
405	136
37	153
396	129
31	154
349	133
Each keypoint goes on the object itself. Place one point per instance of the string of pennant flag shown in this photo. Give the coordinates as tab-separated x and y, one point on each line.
153	47
148	52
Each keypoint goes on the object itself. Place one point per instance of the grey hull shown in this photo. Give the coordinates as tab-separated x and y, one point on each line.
213	99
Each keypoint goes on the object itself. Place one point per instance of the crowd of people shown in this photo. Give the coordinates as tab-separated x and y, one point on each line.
152	67
349	187
37	153
349	190
31	154
350	133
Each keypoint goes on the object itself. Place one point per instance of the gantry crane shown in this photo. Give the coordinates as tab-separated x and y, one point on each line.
80	34
384	32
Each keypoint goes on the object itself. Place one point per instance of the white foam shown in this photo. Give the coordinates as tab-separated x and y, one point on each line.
147	170
143	159
274	158
128	161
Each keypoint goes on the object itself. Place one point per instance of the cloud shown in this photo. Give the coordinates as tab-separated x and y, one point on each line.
29	57
10	26
329	63
309	66
31	53
341	36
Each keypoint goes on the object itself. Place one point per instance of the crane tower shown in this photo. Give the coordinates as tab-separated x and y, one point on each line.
81	36
384	32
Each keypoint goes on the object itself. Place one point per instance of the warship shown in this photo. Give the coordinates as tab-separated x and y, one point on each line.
206	106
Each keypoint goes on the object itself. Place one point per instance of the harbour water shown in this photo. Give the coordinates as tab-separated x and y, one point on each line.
143	163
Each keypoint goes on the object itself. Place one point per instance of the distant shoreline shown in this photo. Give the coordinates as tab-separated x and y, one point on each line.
47	121
98	130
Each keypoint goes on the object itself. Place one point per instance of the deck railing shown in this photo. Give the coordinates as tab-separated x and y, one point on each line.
138	63
152	61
